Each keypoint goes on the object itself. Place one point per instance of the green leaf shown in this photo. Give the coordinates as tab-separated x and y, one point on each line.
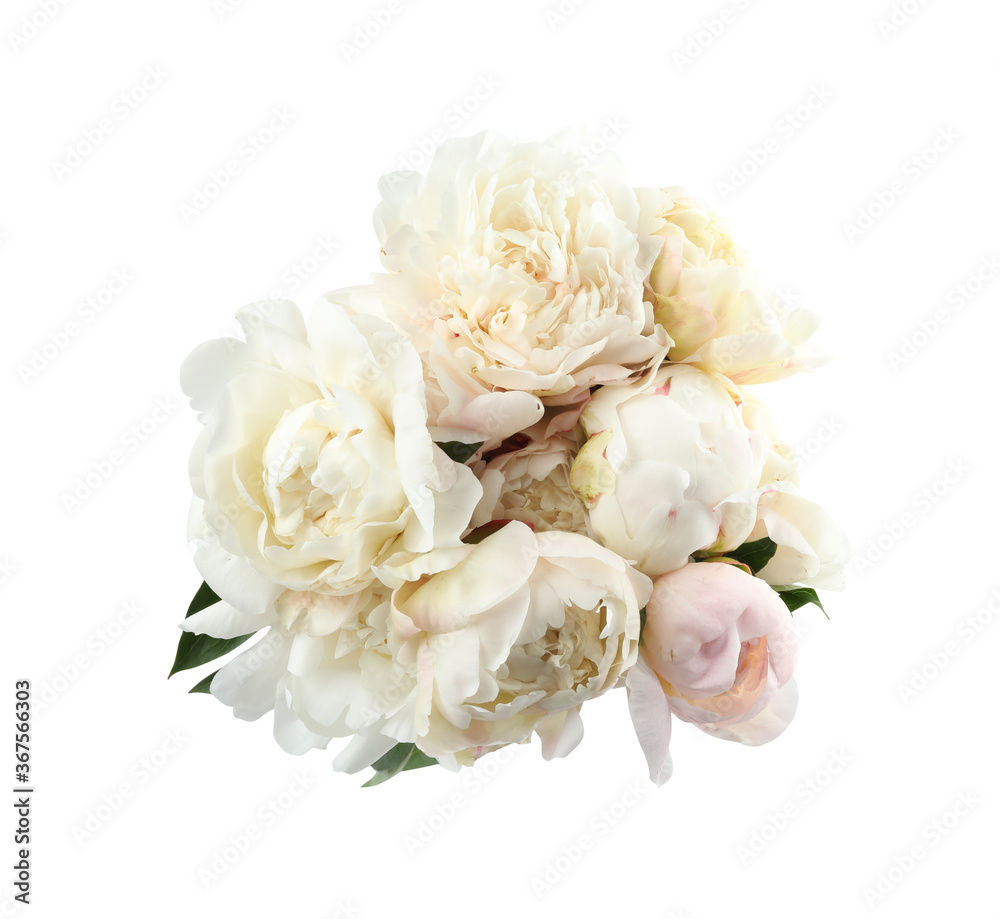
642	622
459	452
203	599
195	650
755	555
204	685
797	597
401	758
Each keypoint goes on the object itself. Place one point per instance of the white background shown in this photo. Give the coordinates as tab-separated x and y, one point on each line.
816	112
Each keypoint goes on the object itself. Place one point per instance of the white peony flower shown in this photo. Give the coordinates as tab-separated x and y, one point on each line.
522	267
511	636
315	462
669	469
705	296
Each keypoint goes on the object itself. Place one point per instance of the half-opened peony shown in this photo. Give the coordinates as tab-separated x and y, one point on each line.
315	462
669	468
512	635
521	265
706	298
718	650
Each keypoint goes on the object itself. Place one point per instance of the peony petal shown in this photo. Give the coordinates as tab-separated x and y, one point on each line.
220	620
363	750
250	682
764	727
491	572
291	734
650	711
235	581
560	733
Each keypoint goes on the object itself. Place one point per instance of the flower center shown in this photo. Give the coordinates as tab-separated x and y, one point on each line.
320	478
564	658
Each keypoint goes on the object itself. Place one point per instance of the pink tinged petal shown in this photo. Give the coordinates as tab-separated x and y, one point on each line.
768	690
710	671
765	726
560	733
220	620
764	611
363	750
650	711
690	710
783	650
689	607
739	700
720	639
699	602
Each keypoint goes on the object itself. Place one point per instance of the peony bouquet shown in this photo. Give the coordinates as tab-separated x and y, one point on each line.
518	470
